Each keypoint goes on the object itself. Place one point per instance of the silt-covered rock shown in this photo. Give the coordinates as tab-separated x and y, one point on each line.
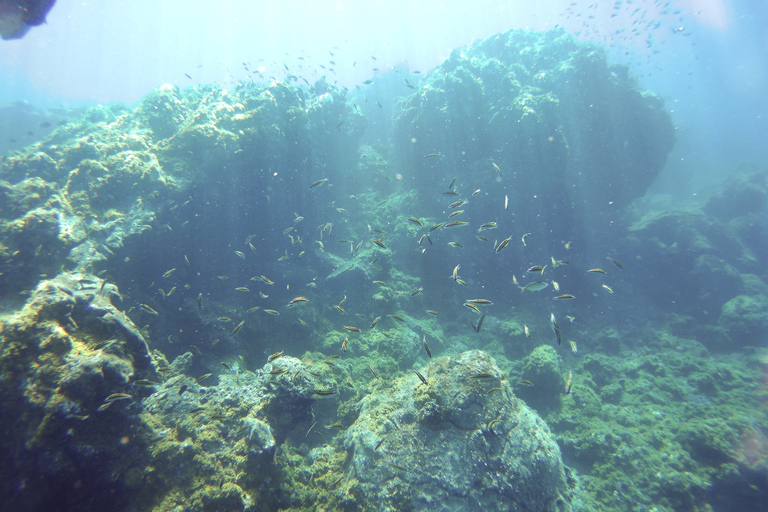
461	442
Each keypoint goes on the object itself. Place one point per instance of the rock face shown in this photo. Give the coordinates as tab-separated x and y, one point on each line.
61	356
460	442
562	125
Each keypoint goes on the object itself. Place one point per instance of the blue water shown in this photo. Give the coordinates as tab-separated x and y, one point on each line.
614	152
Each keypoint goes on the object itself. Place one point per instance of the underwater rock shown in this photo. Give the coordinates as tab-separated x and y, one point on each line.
745	319
742	194
461	442
543	368
546	109
225	435
61	356
685	254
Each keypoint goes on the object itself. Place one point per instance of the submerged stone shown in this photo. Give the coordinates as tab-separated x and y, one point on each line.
461	442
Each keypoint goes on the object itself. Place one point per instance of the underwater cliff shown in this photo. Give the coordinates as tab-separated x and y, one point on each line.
225	300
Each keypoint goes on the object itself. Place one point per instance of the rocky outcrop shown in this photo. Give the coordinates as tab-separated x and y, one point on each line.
462	441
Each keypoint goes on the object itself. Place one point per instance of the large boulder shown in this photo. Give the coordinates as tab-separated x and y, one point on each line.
561	124
462	441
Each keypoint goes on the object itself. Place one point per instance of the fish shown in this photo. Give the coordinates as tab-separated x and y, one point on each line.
275	356
421	377
498	169
461	281
238	327
432	155
182	389
456	223
267	280
456	244
432	312
568	383
254	308
453	181
480	323
506	202
483	375
263	295
277	371
534	286
527	332
203	377
343	301
555	327
227	366
556	286
352	328
104	406
118	396
454	213
456	272
375	321
284	257
242	289
344	344
615	262
240	254
378	445
381	283
487	225
395	317
253	249
416	291
525	236
597	271
168	273
476	192
458	204
272	311
325	392
525	382
341	210
537	268
565	296
553	261
574	347
416	221
200	301
610	290
317	183
482	302
436	226
224	319
472	307
376	375
146	383
297	300
503	244
148	309
378	242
